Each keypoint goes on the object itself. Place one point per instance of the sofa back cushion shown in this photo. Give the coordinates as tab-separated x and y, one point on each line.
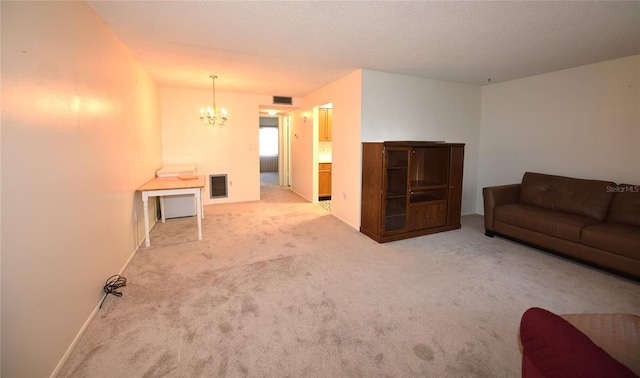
625	206
590	198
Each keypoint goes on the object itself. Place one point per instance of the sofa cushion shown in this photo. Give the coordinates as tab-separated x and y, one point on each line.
551	222
625	205
576	196
617	238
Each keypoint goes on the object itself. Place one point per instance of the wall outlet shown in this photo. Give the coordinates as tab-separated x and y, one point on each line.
344	195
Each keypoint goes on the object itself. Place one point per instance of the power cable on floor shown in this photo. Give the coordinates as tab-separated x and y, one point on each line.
113	283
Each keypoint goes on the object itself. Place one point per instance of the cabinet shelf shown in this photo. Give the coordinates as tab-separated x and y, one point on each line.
395	195
425	198
428	195
423	184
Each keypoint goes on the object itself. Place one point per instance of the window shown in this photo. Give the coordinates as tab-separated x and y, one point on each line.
268	141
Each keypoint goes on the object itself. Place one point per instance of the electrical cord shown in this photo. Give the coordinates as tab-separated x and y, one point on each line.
113	283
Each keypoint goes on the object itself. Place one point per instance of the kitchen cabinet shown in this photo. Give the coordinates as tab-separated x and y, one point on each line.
410	189
324	181
325	121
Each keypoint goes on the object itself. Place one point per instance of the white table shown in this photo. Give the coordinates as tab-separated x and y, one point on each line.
172	186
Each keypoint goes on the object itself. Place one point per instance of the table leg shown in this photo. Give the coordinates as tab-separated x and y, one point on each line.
162	208
202	202
145	201
199	213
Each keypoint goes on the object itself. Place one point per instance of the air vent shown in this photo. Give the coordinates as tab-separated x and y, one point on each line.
218	186
279	100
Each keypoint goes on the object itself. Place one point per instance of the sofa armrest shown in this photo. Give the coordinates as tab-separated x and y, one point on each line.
552	347
498	195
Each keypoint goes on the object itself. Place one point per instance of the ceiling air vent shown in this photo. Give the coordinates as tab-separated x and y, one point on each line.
280	100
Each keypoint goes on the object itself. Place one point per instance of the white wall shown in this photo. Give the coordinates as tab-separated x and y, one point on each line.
80	132
581	122
231	149
400	107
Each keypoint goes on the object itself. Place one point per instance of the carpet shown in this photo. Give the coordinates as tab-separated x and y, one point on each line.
281	288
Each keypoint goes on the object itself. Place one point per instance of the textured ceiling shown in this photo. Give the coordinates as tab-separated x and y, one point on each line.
294	48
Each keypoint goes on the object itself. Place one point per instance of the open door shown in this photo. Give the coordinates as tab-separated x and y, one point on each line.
285	151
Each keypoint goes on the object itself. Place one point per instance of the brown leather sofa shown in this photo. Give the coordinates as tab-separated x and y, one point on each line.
597	222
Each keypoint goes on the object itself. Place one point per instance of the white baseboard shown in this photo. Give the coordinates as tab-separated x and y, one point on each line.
93	314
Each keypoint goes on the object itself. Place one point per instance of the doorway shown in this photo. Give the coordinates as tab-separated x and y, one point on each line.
324	149
269	147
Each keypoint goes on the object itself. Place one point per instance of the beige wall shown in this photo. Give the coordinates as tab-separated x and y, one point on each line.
580	122
302	161
80	132
231	149
345	94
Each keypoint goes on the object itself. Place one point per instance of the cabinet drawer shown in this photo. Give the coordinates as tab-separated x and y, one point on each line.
324	166
427	216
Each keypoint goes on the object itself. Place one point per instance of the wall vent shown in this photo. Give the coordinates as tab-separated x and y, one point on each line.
218	186
280	100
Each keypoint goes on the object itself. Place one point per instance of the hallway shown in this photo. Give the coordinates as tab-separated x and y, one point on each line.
268	178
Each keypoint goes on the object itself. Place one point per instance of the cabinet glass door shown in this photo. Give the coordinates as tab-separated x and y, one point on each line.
395	186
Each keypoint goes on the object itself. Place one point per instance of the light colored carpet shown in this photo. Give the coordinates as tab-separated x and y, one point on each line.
281	288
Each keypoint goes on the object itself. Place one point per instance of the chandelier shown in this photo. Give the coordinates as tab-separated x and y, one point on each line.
212	116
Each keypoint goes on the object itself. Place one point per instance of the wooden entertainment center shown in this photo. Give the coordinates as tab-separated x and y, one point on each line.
410	188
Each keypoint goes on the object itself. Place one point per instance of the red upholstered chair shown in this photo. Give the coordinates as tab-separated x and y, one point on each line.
553	347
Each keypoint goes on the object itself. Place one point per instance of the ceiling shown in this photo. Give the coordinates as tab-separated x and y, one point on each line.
294	48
